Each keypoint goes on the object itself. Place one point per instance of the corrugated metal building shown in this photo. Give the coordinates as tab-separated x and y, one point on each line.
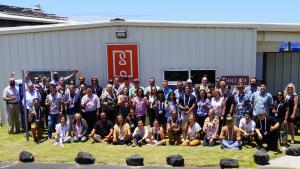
227	48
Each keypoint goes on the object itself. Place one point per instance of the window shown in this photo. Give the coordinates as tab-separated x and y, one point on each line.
182	75
45	73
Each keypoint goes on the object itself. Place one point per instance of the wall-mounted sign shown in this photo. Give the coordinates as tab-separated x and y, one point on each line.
233	80
122	60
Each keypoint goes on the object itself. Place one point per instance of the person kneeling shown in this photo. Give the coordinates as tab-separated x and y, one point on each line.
174	128
122	132
36	118
62	132
230	135
156	135
247	128
192	130
79	129
266	127
103	130
140	134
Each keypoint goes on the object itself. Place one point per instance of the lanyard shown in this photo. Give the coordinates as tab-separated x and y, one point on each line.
38	113
73	99
265	125
184	98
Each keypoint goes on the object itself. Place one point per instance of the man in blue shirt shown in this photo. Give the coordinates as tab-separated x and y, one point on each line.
261	100
166	89
249	90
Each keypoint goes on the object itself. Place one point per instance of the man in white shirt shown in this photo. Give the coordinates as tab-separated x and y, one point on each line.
151	84
11	96
247	128
90	103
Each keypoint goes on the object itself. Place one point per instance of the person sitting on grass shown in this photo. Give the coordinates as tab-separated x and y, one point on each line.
121	134
156	135
174	128
247	128
210	128
103	130
266	129
192	132
79	129
230	135
36	118
132	120
140	134
62	132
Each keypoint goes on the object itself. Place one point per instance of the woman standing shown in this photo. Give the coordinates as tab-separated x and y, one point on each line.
160	113
218	105
152	105
210	129
121	134
124	102
203	105
291	98
280	111
170	105
140	105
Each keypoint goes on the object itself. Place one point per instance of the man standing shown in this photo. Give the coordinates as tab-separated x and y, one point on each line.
166	89
97	89
151	84
179	91
11	96
90	105
54	101
133	89
252	88
261	100
30	95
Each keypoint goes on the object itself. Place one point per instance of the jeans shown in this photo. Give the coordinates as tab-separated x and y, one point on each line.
230	144
52	121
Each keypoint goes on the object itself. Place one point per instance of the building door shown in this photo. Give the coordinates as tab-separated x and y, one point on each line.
281	69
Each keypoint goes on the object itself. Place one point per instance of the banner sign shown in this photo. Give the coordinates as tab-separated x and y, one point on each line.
122	60
233	80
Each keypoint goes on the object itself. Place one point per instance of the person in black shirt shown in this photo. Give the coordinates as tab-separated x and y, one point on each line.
266	129
187	104
103	130
95	86
280	112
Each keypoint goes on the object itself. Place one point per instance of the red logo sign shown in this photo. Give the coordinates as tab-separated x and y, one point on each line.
122	60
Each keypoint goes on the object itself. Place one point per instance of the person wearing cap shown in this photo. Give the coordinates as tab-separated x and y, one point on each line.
12	97
247	128
36	118
97	89
54	101
56	77
189	83
151	84
241	103
230	135
126	83
133	89
266	131
261	100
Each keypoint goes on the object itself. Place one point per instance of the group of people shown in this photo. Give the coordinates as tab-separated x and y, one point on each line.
189	115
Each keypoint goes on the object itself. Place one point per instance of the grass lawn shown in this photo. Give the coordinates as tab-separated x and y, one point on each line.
11	145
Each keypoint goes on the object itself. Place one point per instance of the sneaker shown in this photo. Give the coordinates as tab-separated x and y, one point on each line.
56	143
222	147
61	144
134	145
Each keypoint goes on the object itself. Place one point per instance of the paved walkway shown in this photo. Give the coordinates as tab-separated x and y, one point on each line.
286	162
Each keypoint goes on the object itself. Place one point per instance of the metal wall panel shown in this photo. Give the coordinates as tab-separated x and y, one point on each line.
231	51
281	69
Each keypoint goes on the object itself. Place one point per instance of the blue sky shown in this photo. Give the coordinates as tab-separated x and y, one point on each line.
279	11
